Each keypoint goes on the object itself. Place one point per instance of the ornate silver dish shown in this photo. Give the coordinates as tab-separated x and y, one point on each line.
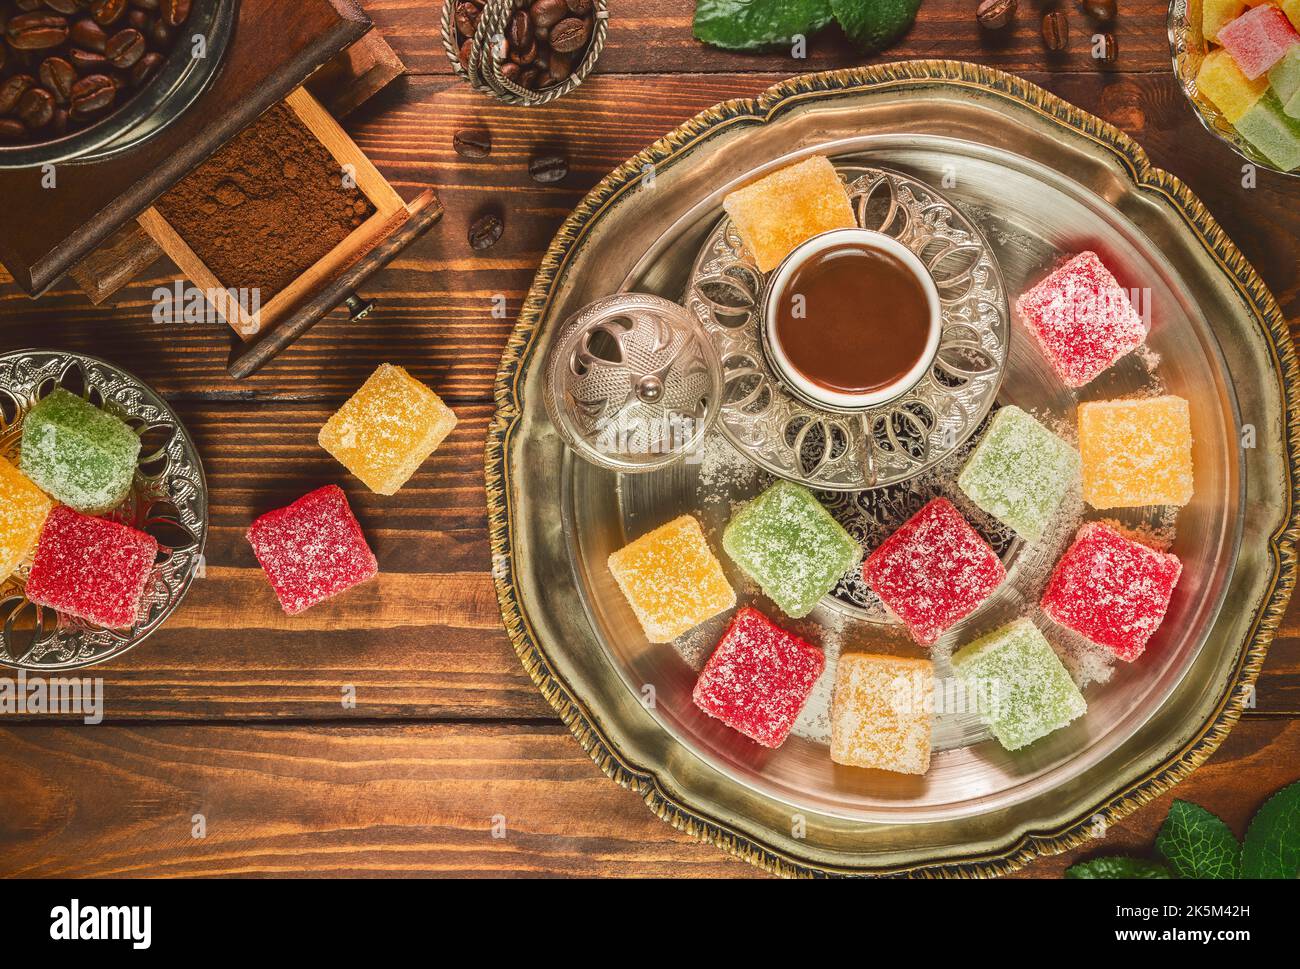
168	500
1039	179
1188	47
892	442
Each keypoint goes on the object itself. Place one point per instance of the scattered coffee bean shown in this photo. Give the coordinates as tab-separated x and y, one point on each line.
472	143
995	14
1106	48
1056	30
548	169
1102	11
485	231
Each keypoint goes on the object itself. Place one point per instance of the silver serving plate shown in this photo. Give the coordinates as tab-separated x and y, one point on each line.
796	438
1040	179
168	500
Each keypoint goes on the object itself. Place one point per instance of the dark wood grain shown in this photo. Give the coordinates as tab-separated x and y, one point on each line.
412	800
447	731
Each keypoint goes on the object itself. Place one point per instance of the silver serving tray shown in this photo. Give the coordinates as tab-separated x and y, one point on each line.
1040	178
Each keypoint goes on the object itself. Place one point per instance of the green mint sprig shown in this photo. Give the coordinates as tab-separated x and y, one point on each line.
758	24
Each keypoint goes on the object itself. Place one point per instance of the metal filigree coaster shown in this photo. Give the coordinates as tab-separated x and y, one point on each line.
892	442
632	384
168	500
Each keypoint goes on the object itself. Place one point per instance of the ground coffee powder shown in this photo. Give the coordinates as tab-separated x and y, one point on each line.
267	206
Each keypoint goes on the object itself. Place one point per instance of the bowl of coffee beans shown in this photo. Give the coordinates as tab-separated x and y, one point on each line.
82	79
524	51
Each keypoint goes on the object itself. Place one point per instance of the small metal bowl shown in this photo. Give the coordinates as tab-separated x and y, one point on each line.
167	97
168	500
1188	47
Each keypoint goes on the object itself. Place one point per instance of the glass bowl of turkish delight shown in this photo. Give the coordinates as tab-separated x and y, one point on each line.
1238	62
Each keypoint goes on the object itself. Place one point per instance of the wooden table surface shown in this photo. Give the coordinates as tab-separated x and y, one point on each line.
236	713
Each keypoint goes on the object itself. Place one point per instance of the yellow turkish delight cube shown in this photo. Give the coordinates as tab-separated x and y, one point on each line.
23	508
882	712
1136	452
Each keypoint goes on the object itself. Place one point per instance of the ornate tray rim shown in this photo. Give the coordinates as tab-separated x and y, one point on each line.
757	110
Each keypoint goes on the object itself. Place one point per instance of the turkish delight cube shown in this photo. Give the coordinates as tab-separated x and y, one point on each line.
1221	80
1020	472
1136	452
1216	13
312	550
91	568
672	580
882	713
1082	318
387	429
1285	80
791	546
23	508
1258	39
759	678
78	454
1024	689
934	571
788	207
1112	590
1273	132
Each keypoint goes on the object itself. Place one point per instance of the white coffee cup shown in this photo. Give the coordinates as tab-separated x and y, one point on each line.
815	393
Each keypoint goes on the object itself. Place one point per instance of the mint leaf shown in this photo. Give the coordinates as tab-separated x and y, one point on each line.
875	24
1197	844
753	24
1272	848
1116	867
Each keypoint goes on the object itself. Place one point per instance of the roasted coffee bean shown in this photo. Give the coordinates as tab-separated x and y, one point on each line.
174	12
137	19
12	90
1056	30
511	71
146	67
467	17
524	57
149	5
12	131
559	67
37	31
125	48
995	14
547	13
520	31
88	35
65	7
548	169
87	61
465	50
472	143
93	94
1106	48
486	231
582	7
531	77
36	108
107	12
1102	11
58	76
570	35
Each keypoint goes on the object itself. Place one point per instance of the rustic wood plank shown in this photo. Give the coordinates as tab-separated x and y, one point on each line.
415	800
436	299
654	36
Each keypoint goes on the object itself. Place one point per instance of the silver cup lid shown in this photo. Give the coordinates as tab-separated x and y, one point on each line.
632	383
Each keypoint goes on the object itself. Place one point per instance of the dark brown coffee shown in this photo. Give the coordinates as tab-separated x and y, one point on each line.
853	319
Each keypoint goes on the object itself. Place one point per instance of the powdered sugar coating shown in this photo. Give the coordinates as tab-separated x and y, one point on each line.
1082	318
759	678
92	569
672	579
1020	472
1258	39
882	713
387	429
78	454
1112	590
23	509
787	542
788	207
312	550
1136	452
934	571
1030	693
